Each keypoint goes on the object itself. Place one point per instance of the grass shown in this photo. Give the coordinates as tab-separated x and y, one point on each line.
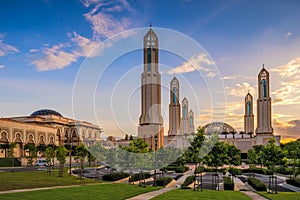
205	194
282	195
86	192
36	179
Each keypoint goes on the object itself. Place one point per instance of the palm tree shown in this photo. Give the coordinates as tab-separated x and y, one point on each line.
250	133
225	133
242	133
233	133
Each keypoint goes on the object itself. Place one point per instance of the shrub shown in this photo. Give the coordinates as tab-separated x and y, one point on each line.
235	171
182	169
284	170
257	184
7	162
185	187
163	181
293	181
189	180
136	177
200	169
115	176
228	183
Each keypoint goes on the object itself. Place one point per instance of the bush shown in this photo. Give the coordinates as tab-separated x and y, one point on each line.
284	170
257	184
200	169
228	183
7	162
182	169
293	181
163	181
171	167
185	187
189	180
235	171
115	176
254	170
136	177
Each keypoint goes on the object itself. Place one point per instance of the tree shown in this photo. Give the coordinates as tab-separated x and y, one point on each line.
50	153
61	155
242	133
252	158
130	137
91	158
225	133
250	133
11	153
126	137
41	148
4	147
233	133
272	155
81	153
218	155
234	155
259	150
293	153
31	149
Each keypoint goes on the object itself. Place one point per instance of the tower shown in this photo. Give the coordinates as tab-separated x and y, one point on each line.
174	108
151	122
185	128
264	114
191	122
249	116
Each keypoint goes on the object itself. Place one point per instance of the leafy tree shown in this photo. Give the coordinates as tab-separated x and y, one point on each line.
234	155
293	153
272	155
250	133
137	146
50	153
31	149
252	158
91	158
218	155
225	133
4	148
81	154
41	148
61	155
126	137
259	151
130	137
11	153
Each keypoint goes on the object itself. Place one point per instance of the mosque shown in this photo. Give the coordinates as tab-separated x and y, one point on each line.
181	119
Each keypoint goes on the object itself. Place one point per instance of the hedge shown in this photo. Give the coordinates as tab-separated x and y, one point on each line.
7	162
115	176
293	181
189	180
235	171
257	184
136	177
182	169
228	183
163	181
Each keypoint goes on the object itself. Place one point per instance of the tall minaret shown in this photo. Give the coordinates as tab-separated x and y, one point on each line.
151	121
185	127
191	122
264	114
174	108
249	116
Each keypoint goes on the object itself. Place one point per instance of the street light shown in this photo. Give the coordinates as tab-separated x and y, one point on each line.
156	139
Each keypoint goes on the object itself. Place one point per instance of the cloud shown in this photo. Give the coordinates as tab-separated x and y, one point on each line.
104	23
33	50
83	46
290	128
2	66
288	34
289	89
6	48
196	62
240	90
54	58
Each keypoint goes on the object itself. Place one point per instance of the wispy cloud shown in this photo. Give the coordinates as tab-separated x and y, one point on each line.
6	48
104	23
1	66
240	90
196	62
290	128
288	34
289	89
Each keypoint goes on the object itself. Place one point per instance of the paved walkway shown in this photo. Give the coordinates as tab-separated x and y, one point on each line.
254	195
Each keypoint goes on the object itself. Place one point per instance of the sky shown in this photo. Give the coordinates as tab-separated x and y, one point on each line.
83	58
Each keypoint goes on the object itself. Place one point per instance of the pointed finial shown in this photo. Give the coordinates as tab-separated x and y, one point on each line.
150	24
263	65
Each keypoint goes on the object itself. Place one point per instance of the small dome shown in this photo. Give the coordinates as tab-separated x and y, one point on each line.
45	112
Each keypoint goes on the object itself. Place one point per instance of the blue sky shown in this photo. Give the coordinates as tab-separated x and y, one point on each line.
44	44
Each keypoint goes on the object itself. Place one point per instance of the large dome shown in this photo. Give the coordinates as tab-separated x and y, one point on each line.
45	112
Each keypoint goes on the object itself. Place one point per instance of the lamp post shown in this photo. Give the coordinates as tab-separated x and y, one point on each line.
156	139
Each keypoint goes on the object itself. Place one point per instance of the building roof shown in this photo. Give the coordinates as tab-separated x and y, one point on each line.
45	112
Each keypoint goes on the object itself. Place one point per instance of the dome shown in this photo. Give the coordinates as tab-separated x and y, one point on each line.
45	112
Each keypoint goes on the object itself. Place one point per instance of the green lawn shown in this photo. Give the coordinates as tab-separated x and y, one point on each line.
86	192
206	194
282	195
36	179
